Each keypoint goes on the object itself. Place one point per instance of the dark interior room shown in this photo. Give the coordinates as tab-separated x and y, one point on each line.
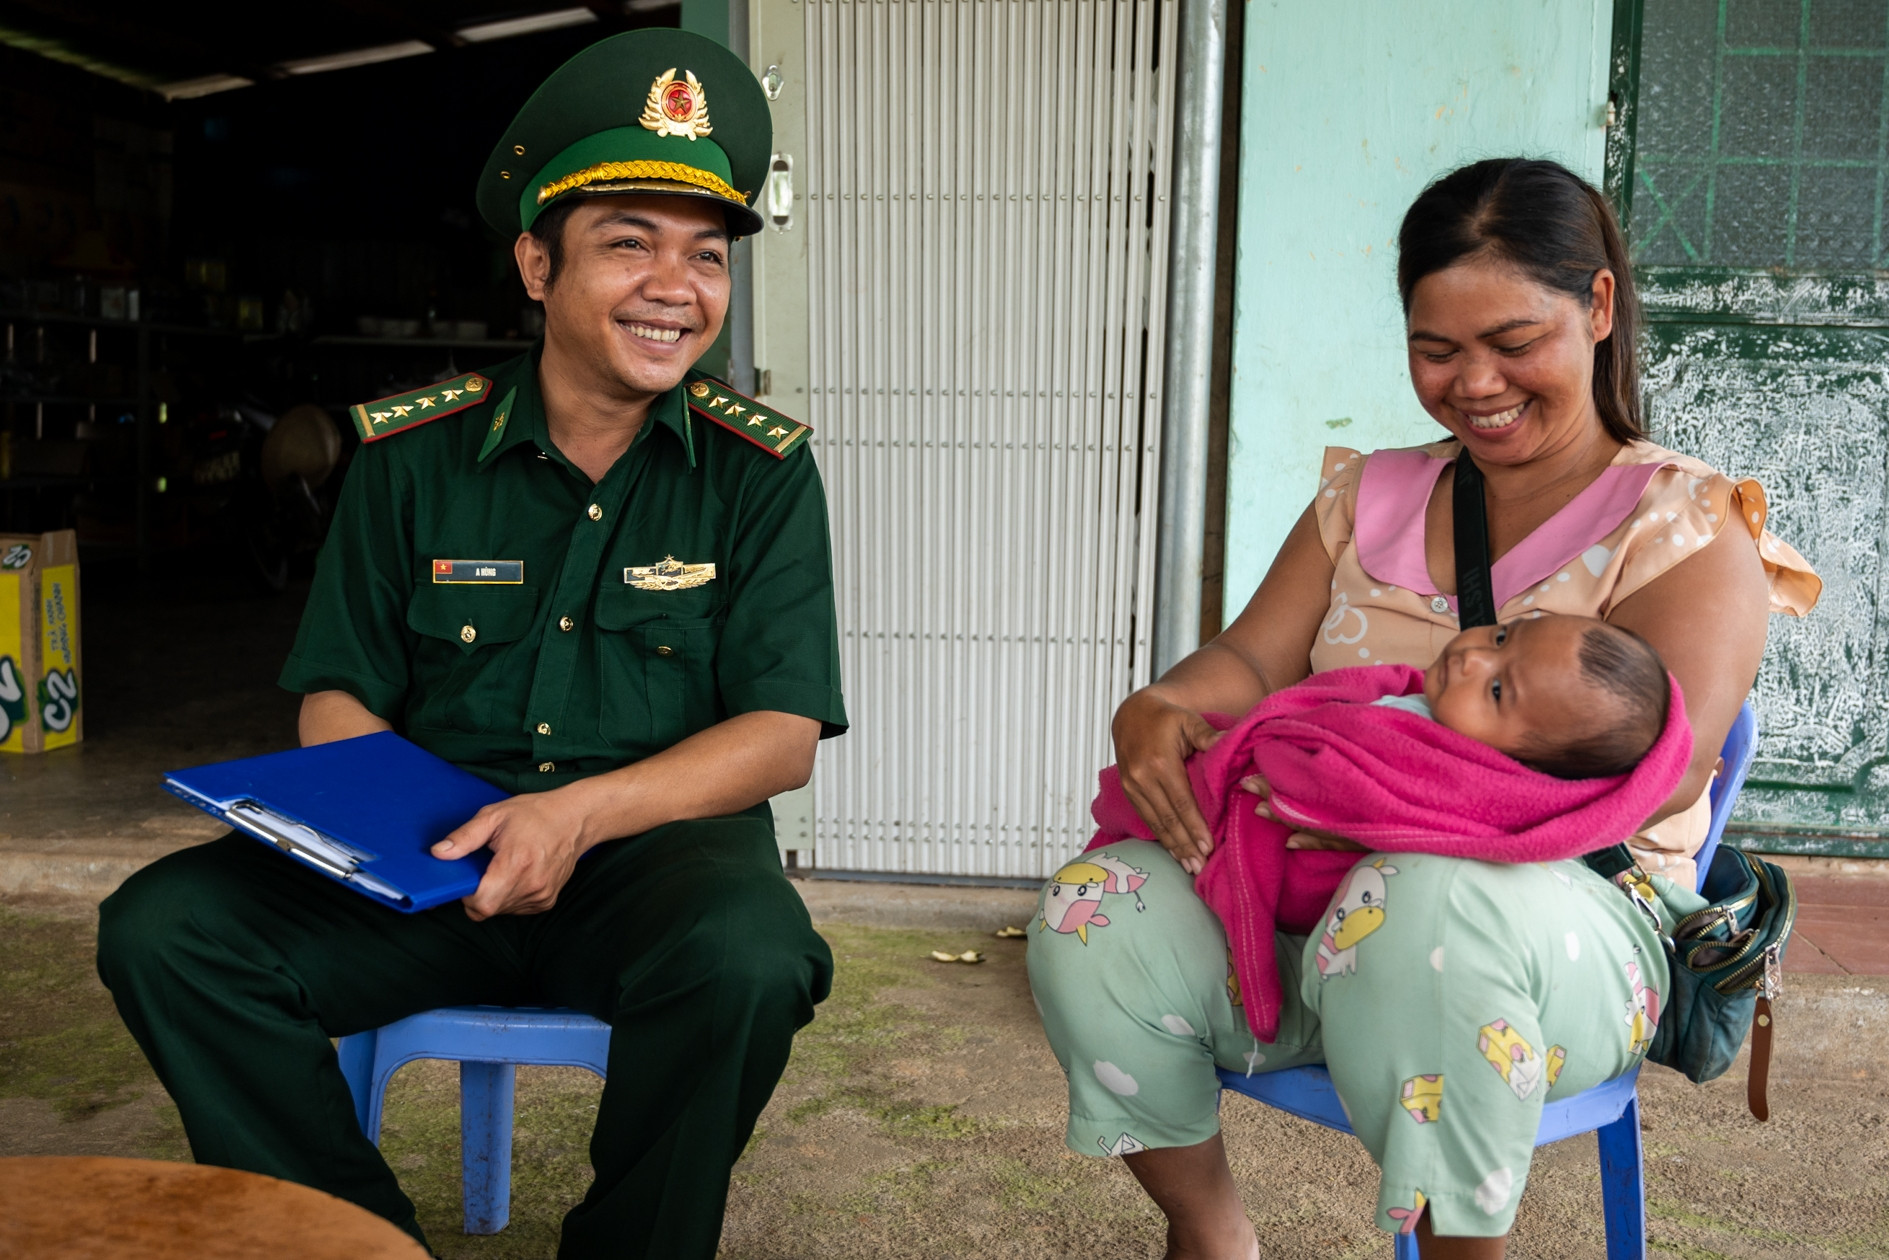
217	222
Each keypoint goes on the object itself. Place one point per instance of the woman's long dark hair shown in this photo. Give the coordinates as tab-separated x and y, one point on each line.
1559	231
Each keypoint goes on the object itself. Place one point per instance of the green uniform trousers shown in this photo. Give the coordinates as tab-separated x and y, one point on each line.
234	966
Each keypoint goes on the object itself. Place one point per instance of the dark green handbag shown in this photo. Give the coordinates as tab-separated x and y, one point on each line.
1725	961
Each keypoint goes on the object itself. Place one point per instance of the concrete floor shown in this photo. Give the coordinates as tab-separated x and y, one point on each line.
175	674
921	1116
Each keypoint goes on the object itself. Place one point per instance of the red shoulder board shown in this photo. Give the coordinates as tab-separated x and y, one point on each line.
388	416
763	426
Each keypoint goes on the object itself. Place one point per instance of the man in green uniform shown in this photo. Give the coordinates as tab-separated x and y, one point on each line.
601	581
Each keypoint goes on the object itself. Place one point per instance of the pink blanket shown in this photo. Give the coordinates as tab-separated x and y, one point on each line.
1391	780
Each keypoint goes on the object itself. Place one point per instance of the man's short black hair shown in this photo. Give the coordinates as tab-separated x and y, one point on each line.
548	230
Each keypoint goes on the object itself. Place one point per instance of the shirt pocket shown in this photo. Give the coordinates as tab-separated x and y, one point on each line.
467	673
658	651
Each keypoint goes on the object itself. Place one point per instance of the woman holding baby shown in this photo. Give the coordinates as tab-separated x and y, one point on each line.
1463	994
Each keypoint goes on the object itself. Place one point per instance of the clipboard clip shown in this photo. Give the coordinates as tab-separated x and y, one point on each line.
323	852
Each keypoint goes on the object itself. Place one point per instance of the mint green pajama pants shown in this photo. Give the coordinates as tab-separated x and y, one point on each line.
1472	994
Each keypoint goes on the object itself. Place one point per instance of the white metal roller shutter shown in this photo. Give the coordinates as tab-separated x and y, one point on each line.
984	194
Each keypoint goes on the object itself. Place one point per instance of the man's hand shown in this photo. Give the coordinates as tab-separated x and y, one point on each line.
535	840
537	837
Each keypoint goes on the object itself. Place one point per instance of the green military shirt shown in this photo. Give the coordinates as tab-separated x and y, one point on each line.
553	661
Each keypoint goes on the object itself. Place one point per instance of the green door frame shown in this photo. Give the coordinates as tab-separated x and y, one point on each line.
1754	306
1623	102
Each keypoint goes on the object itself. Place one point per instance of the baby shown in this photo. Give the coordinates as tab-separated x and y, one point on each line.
1572	696
1542	739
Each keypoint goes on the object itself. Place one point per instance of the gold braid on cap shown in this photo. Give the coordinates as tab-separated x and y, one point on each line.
675	172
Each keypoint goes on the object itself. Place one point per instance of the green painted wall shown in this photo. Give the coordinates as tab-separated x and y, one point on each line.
1350	107
706	17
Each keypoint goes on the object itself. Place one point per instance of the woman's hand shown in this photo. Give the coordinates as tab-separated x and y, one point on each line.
1268	646
1299	839
1323	840
1154	737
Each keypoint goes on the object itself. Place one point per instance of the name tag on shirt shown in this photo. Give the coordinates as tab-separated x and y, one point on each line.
479	572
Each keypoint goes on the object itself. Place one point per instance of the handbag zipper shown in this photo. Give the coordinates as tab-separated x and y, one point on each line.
1738	957
1769	963
1700	921
1764	970
1726	910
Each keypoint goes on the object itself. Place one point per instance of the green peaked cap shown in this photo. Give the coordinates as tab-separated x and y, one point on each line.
649	111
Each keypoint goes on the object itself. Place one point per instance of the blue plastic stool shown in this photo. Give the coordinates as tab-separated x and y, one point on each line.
488	1042
1610	1110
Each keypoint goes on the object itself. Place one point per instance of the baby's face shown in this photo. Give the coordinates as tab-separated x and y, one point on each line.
1513	684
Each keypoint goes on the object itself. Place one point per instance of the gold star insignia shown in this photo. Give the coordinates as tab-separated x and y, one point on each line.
401	410
777	431
473	386
450	394
756	421
699	390
719	400
736	409
427	402
379	417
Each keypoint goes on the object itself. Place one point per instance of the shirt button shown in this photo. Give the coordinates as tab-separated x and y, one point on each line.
546	767
564	623
467	634
1438	604
665	650
596	513
544	728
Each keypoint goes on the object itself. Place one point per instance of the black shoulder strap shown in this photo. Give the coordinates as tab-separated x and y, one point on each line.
1475	592
1475	605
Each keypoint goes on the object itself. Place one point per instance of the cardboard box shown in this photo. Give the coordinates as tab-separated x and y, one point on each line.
39	642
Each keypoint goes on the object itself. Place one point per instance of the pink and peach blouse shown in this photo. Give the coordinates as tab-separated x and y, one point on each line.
1648	511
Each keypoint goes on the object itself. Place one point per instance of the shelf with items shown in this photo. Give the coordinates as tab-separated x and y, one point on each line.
117	427
82	402
61	483
68	400
99	321
337	370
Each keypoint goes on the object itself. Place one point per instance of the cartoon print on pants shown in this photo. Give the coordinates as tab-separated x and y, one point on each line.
1126	1144
1509	1054
1074	901
1642	1010
1423	1098
1359	912
1233	983
1557	1059
1406	1218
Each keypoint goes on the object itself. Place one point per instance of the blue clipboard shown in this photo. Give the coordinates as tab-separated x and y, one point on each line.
365	812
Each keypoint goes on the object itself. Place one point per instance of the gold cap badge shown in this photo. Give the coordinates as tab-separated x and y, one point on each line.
677	108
